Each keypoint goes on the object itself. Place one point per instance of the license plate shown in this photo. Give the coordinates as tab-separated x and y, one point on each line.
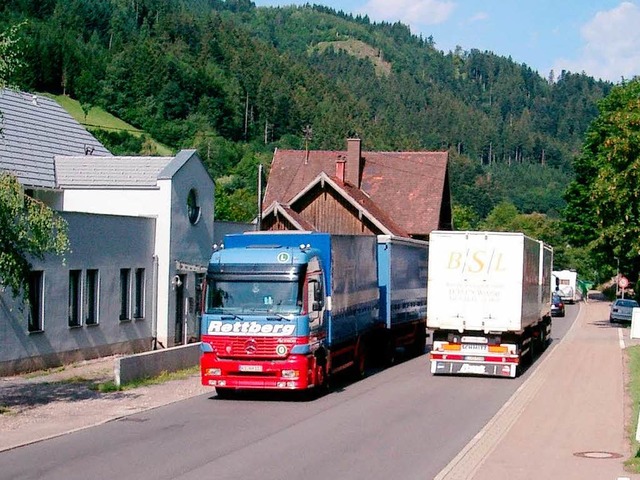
250	368
474	347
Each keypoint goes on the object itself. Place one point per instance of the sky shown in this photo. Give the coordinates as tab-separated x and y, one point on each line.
598	37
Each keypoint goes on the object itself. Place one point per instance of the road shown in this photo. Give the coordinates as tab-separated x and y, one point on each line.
396	423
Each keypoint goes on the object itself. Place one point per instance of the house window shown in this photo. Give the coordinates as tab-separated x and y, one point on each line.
75	297
193	209
92	294
125	294
36	301
139	290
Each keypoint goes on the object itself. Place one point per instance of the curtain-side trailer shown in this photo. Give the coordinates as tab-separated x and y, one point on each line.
402	278
488	301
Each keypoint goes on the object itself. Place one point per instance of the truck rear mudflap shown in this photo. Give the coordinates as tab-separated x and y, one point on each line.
446	364
294	373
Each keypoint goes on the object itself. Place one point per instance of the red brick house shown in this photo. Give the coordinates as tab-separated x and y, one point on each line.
403	194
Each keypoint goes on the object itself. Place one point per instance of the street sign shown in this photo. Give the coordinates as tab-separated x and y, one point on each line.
623	282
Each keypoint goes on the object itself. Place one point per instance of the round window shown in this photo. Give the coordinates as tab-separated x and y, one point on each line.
193	209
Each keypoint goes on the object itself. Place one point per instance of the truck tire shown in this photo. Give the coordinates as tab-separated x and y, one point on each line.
389	355
359	361
542	340
419	342
322	385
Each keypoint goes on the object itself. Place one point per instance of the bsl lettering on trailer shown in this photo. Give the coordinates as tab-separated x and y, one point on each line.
476	261
217	327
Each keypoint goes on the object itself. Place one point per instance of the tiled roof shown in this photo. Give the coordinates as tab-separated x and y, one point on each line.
34	130
291	215
408	186
109	172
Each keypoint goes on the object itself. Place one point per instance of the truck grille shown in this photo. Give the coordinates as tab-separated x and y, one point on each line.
247	347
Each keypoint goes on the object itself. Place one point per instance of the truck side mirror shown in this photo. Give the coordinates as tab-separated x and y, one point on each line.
316	295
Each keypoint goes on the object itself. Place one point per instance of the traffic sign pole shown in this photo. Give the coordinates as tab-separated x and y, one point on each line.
623	283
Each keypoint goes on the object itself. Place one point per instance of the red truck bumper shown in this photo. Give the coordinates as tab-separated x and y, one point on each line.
294	373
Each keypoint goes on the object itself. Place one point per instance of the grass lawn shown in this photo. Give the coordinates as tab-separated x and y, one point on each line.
633	353
98	118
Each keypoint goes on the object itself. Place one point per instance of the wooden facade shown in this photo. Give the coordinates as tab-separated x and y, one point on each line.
331	213
328	205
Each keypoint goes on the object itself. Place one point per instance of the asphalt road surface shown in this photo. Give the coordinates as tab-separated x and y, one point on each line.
397	423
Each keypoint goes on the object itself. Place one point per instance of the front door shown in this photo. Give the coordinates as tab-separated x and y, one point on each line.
180	287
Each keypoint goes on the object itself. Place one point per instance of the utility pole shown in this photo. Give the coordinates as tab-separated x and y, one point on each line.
617	276
259	221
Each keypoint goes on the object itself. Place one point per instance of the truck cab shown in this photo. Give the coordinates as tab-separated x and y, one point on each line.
264	318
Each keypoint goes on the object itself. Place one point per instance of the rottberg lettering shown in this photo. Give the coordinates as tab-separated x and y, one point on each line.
217	327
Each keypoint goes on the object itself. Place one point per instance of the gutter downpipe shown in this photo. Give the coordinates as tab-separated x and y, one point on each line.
154	305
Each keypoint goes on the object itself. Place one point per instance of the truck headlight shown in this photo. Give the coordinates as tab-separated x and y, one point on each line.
290	373
214	371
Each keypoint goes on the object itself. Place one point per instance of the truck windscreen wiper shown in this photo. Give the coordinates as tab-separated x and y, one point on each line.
232	316
278	316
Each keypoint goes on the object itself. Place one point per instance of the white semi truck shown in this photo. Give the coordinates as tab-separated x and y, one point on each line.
488	301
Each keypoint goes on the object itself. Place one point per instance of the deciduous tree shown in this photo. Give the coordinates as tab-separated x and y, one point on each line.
29	229
604	199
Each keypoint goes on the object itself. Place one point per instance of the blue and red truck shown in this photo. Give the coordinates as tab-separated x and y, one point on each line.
287	310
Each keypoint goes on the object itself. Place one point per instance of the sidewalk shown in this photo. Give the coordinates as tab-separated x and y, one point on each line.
569	420
52	403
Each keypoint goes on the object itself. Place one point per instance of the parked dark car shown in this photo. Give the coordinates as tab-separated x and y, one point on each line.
557	306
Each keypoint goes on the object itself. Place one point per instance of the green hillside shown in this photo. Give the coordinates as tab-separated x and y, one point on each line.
235	82
98	119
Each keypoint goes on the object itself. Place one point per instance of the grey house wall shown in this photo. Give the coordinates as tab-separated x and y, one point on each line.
102	242
220	229
190	248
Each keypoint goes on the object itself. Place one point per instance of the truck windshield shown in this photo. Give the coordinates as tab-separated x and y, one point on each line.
284	297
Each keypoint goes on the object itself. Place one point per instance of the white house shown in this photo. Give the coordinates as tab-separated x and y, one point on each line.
140	228
176	191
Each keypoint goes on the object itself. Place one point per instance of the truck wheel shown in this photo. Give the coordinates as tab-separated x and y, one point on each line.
322	386
389	353
359	362
419	343
542	339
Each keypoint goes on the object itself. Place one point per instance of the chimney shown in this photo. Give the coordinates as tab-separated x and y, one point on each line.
354	162
340	164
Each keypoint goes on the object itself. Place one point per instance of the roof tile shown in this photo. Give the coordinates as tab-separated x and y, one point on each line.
34	130
408	186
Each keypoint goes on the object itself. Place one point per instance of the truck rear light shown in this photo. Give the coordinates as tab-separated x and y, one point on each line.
498	349
290	373
451	346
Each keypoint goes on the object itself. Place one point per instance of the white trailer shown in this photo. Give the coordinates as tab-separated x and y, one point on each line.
488	301
564	283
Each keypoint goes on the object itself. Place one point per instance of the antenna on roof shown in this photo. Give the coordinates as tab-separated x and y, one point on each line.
307	133
88	150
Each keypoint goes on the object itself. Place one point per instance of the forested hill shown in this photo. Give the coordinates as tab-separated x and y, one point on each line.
236	81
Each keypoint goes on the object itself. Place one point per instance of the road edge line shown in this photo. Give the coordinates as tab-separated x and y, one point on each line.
464	465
